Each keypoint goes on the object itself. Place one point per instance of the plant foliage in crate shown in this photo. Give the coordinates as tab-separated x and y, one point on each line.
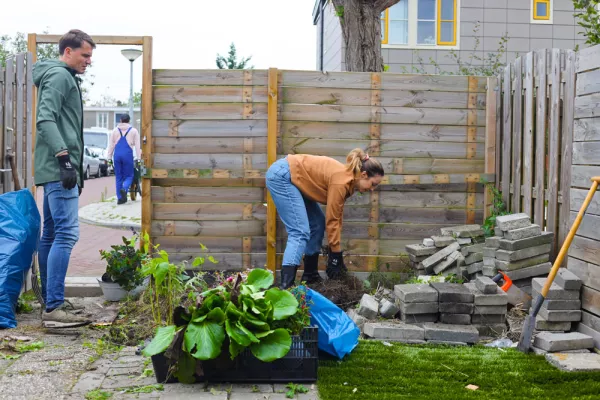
236	330
124	264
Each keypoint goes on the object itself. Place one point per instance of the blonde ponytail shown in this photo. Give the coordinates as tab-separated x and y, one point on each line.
358	161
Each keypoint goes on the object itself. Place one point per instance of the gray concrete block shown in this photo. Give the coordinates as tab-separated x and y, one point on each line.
489	261
474	268
447	343
574	362
451	333
358	319
513	245
530	272
542	325
443	241
420	250
452	292
517	255
486	285
560	315
416	293
541	352
436	258
513	221
418	318
450	261
528	262
473	258
368	307
464	241
488	319
493	330
493	242
455	319
428	242
553	342
456	308
474	248
567	280
418	308
463	231
388	309
523	233
498	232
497	299
416	259
489	271
394	330
561	305
489	252
490	310
555	292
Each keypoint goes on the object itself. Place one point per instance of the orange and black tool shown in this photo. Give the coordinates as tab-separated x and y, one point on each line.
516	296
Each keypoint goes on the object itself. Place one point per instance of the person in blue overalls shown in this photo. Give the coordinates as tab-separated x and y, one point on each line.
123	140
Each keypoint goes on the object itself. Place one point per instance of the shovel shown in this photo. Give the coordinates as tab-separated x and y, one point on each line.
527	333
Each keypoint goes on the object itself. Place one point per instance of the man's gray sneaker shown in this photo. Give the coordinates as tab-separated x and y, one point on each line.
60	318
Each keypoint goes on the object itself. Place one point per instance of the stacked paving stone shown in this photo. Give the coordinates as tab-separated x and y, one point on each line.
490	306
418	303
562	306
520	249
455	303
456	251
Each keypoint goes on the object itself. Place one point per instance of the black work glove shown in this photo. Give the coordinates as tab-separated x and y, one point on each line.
335	265
68	175
80	190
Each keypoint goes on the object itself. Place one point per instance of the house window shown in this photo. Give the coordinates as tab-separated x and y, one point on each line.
102	120
420	23
541	10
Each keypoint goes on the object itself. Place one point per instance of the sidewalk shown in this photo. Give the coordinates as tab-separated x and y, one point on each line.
109	214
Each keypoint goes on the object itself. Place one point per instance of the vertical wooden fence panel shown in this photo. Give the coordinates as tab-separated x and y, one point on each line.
273	99
20	155
506	155
528	136
517	136
9	131
540	139
554	141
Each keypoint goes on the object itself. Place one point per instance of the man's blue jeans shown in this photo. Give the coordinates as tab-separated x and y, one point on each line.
60	232
303	218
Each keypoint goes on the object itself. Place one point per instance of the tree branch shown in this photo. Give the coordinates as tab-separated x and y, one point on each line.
382	5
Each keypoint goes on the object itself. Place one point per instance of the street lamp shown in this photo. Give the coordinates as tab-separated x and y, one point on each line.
131	55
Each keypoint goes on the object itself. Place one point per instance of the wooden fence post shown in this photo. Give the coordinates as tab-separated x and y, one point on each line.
31	127
490	139
146	134
272	94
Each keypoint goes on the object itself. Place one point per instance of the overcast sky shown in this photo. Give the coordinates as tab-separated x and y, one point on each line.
186	33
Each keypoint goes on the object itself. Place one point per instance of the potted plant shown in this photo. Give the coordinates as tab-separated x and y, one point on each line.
239	331
123	269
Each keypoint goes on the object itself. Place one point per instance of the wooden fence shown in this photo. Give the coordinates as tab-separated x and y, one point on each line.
536	128
214	133
584	254
16	96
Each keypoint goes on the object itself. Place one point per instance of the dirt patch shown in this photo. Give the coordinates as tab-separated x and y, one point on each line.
515	318
345	293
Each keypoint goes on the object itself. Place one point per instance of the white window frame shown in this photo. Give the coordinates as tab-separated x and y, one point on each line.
100	117
412	30
548	21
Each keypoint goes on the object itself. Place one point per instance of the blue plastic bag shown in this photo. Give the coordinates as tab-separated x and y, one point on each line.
19	239
338	334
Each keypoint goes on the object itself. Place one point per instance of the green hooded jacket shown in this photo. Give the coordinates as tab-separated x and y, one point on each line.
59	120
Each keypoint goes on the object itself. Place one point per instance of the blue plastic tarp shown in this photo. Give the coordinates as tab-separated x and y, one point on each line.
338	334
19	239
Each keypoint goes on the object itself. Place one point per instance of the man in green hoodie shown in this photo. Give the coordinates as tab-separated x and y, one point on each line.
58	162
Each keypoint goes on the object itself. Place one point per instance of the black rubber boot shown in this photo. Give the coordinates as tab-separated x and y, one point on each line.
288	276
311	269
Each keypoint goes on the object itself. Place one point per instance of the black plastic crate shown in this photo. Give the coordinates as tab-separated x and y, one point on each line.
300	364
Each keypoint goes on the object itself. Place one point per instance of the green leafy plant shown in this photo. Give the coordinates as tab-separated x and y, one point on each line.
498	208
588	17
293	389
124	264
98	395
242	312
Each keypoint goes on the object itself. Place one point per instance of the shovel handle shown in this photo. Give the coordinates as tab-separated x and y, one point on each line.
570	236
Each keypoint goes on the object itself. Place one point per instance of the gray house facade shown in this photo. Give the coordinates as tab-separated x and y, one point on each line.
414	32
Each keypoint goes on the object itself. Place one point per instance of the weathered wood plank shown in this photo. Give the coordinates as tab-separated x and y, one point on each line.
29	124
203	175
586	129
588	273
566	145
592	321
388	98
507	135
209	228
202	111
586	153
220	77
585	249
358	131
527	150
517	115
588	82
21	156
183	194
186	145
333	147
540	139
210	212
2	153
417	199
393	115
9	126
577	197
208	94
590	301
191	244
581	175
211	161
209	128
554	143
590	226
499	122
587	106
98	39
226	261
587	59
146	132
209	182
490	139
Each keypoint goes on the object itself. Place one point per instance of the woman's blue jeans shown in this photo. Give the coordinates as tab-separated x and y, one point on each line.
303	218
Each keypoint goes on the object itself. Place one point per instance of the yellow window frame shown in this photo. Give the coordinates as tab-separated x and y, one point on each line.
386	24
541	17
439	25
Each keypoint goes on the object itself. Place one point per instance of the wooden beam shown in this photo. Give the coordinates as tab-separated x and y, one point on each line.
271	158
98	39
32	48
146	133
490	139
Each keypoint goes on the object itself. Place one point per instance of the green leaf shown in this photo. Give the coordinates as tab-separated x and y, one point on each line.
235	349
163	338
216	315
202	247
204	340
212	260
260	279
198	261
256	323
272	346
261	335
284	303
236	334
247	332
161	272
186	367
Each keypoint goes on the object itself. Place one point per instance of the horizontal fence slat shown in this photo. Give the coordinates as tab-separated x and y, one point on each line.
577	197
586	129
231	77
588	82
587	106
587	59
208	94
588	273
590	301
210	161
590	226
191	244
209	128
587	153
183	194
177	145
202	111
581	175
208	228
210	211
585	249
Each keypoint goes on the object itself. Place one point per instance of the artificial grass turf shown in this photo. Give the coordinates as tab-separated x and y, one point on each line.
403	371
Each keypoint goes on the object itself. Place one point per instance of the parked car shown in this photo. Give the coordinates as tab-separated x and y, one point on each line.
91	163
98	138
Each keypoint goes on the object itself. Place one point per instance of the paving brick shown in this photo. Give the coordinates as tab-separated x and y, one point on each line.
431	261
543	325
486	285
388	309
451	333
513	221
452	292
529	272
489	252
383	330
567	280
416	259
474	268
88	381
497	299
418	308
369	307
463	231
464	241
552	342
489	261
523	254
512	245
561	305
493	330
456	308
488	319
117	382
493	242
523	233
473	258
555	292
446	343
418	318
416	293
490	310
455	319
490	272
529	262
428	242
475	248
541	352
575	362
420	250
498	232
446	264
358	319
443	241
560	315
